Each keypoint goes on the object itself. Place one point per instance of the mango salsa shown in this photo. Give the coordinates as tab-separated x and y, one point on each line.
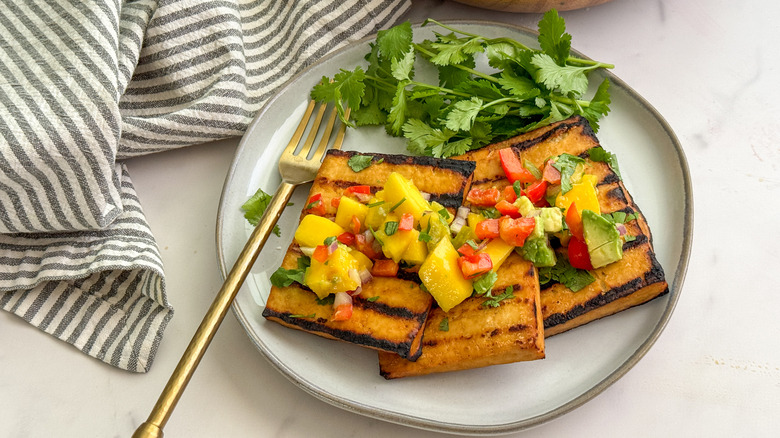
442	277
349	207
331	276
313	230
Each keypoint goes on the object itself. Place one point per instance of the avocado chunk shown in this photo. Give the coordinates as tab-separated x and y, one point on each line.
602	238
539	252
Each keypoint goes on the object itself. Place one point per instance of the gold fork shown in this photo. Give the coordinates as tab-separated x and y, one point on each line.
295	169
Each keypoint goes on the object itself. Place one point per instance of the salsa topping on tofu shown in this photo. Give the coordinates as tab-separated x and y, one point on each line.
550	215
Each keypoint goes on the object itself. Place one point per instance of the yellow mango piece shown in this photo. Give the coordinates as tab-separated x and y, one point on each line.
473	219
378	212
416	252
442	277
333	275
583	194
404	196
498	250
313	230
349	207
363	261
394	245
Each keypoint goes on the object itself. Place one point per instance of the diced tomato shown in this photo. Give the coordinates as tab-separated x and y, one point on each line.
513	168
475	265
406	223
364	190
551	174
509	194
362	245
384	268
346	238
483	197
506	208
355	225
466	250
536	191
335	202
320	253
578	254
315	205
574	221
515	231
487	229
342	312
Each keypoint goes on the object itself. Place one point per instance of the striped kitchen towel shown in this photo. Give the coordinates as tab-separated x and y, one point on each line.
86	83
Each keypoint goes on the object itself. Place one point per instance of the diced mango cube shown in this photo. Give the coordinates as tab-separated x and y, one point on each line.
416	252
582	193
442	277
498	250
473	219
331	276
349	207
401	194
313	230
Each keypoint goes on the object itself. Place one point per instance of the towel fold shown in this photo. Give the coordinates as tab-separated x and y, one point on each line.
85	84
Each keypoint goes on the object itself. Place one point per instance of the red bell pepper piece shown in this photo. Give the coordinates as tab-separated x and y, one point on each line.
487	229
574	221
513	168
474	265
315	205
507	209
321	253
483	197
384	268
364	190
342	312
346	238
509	194
536	191
466	250
515	231
578	254
406	223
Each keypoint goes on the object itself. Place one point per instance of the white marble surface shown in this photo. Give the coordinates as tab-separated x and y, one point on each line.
709	67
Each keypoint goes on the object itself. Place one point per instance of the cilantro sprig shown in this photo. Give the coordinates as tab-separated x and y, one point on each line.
467	108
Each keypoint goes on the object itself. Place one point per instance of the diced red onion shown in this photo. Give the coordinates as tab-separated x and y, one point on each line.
621	229
333	246
463	212
308	251
426	195
341	298
357	291
369	236
365	276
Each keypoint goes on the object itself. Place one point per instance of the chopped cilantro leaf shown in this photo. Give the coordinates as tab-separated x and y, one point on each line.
495	301
600	154
254	208
567	165
564	273
372	299
391	227
444	325
284	277
359	162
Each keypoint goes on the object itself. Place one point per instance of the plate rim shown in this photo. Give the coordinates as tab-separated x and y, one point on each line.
675	287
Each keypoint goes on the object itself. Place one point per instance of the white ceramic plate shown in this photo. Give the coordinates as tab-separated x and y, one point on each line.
499	399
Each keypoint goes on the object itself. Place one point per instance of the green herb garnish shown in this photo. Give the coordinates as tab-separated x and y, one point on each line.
391	227
495	301
397	204
284	277
375	204
372	299
600	154
567	165
360	162
329	240
444	325
254	208
564	273
466	108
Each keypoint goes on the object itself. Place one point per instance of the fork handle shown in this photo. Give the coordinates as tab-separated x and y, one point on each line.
152	427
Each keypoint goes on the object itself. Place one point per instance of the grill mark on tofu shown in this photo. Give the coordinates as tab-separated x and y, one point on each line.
566	125
463	168
396	312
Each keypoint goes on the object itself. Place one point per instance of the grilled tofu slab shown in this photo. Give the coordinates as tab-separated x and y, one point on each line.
475	336
389	314
634	280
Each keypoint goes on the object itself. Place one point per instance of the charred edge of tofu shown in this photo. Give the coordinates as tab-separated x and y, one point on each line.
451	200
319	326
464	168
556	130
652	276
